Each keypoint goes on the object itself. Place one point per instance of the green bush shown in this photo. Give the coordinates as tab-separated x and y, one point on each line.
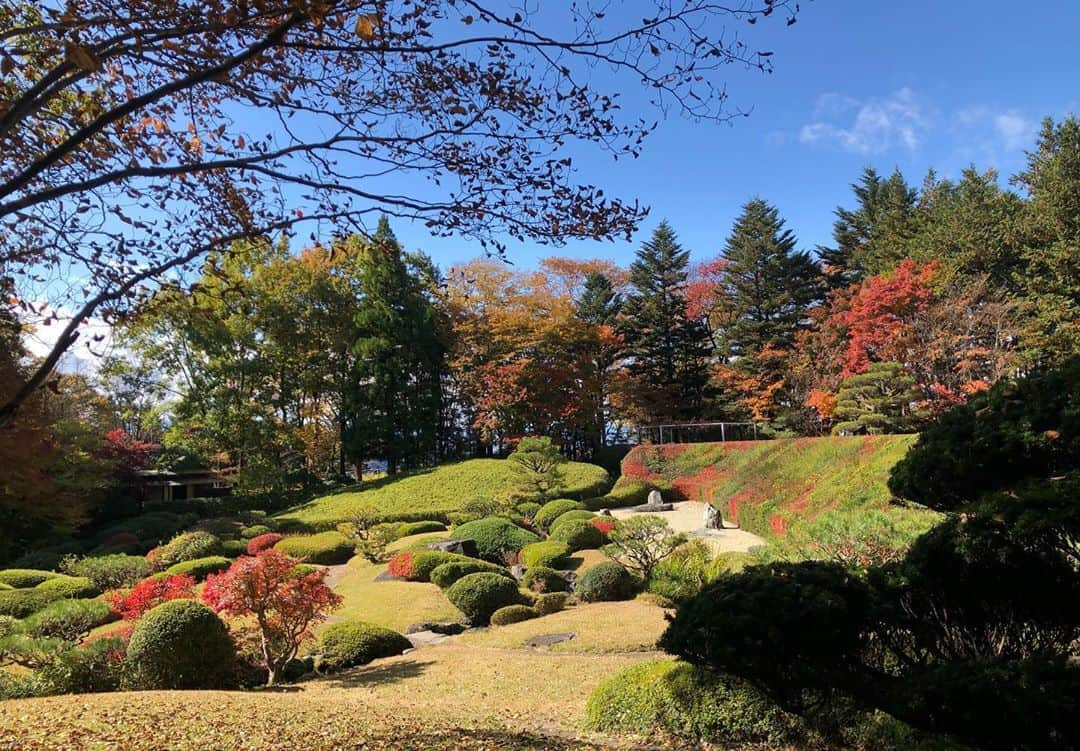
69	586
200	568
324	548
681	575
350	643
550	602
68	619
91	668
552	510
254	531
729	563
578	514
24	578
186	546
551	553
180	644
480	595
543	579
110	571
5	586
577	534
446	574
605	582
418	528
678	700
528	509
626	493
423	563
233	548
493	536
504	616
19	603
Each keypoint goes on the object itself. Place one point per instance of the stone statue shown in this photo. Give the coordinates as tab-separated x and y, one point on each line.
713	519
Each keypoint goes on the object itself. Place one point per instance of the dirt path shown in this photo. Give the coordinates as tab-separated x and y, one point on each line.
687	516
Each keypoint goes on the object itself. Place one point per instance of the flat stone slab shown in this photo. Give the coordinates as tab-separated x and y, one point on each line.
446	628
646	507
426	639
546	640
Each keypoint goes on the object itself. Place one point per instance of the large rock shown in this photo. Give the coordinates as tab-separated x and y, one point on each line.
461	547
447	628
546	640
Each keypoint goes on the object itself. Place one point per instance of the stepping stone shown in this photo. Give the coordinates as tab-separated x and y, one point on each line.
546	640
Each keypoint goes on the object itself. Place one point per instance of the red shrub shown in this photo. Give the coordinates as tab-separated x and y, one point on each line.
603	524
148	593
776	524
263	542
400	565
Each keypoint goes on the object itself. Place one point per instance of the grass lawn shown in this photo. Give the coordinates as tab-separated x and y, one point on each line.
434	492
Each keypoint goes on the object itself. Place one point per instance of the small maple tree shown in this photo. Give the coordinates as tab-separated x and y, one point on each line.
284	604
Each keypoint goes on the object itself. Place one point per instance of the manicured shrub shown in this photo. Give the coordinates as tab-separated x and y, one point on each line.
110	571
401	565
249	533
681	575
200	568
351	643
264	541
180	644
324	548
550	602
5	586
68	619
69	586
19	603
446	574
233	548
552	553
605	582
94	667
494	535
693	705
24	578
149	593
578	514
543	579
480	595
423	563
528	509
504	616
577	534
186	546
303	569
418	528
552	510
729	563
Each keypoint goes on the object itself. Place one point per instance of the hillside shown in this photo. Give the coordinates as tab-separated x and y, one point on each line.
433	493
767	486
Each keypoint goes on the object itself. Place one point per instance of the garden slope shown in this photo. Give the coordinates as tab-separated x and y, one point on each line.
434	493
766	486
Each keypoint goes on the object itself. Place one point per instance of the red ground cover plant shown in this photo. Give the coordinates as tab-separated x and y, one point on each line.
263	542
604	526
400	565
777	525
132	603
266	590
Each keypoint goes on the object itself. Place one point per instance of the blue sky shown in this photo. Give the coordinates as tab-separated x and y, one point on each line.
913	85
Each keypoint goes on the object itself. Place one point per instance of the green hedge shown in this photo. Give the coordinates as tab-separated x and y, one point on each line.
427	561
550	553
493	535
180	644
68	619
625	493
552	510
543	579
504	616
605	582
324	548
418	528
111	571
578	514
186	546
254	531
24	578
200	568
550	602
69	586
19	603
480	595
678	700
446	574
350	643
577	534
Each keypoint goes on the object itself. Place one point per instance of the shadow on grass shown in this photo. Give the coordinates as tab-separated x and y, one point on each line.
469	739
378	674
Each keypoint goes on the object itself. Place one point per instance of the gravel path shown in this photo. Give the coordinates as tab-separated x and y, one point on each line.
688	516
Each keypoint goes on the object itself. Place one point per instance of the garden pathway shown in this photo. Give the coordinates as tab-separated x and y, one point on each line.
688	517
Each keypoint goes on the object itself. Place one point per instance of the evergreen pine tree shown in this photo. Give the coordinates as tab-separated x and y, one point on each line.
599	306
668	352
877	401
599	303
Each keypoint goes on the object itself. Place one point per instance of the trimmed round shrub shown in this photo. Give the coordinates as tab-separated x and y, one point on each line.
422	564
69	586
512	614
200	568
19	603
494	535
550	602
186	546
480	595
350	643
528	509
180	644
578	514
577	534
110	571
552	553
254	531
418	528
543	579
24	578
5	586
68	619
552	510
324	548
303	569
691	704
605	582
446	574
262	542
233	548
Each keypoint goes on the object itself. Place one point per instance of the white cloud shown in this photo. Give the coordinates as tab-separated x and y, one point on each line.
871	126
84	356
1015	130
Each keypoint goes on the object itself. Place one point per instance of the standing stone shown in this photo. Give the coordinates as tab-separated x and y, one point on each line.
654	498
